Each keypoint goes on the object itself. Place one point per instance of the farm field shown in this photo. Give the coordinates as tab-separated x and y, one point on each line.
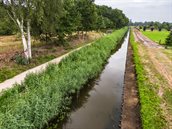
157	36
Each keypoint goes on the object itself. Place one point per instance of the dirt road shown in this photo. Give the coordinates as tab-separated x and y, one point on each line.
160	61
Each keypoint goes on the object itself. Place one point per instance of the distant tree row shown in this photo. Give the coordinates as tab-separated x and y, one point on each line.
56	18
153	25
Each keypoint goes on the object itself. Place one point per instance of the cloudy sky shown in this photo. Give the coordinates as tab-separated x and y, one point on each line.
142	10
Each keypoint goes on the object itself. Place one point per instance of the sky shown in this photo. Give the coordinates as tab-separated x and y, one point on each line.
142	10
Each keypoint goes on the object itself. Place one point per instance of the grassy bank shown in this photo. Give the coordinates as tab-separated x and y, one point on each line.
157	36
46	95
151	113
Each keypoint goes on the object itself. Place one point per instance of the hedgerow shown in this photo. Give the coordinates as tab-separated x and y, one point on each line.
151	112
47	94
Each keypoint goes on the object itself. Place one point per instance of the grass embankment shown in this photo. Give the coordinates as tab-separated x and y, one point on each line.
151	113
157	36
46	95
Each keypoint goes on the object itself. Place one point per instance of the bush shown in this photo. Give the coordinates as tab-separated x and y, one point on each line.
169	39
152	28
144	28
45	95
19	59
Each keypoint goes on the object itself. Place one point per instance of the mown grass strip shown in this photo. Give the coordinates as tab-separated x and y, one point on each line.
46	95
151	113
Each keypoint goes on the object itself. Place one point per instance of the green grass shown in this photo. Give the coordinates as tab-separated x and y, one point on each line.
45	95
8	72
168	52
157	36
151	112
168	96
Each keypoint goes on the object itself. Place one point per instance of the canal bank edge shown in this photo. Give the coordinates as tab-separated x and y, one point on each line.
130	118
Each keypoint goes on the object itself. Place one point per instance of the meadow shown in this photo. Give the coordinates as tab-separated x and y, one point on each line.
157	36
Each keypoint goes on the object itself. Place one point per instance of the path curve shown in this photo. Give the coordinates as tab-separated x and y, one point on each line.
20	77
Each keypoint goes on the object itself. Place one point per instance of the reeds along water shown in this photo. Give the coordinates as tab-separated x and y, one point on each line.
99	103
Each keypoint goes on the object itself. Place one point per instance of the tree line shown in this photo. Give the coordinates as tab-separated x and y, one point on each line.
56	18
153	25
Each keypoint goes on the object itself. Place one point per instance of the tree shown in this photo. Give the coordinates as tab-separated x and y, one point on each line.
6	24
115	16
88	13
140	27
169	40
152	28
22	12
144	28
159	28
70	21
47	17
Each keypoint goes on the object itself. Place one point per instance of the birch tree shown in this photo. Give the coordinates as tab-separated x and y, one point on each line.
20	12
23	12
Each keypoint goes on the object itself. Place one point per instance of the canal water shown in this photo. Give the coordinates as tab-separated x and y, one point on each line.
99	105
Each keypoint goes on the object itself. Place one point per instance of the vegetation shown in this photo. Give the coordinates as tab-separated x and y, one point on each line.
168	52
157	36
59	19
45	95
42	53
156	25
151	113
6	24
168	41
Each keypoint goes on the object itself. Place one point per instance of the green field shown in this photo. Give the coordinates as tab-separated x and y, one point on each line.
157	36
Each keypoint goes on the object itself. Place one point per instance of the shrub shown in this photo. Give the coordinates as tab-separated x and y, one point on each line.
19	59
169	39
152	28
144	28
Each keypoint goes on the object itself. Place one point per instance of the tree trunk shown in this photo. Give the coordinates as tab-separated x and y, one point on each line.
29	40
25	47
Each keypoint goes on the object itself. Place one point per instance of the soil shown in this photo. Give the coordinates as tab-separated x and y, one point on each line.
130	108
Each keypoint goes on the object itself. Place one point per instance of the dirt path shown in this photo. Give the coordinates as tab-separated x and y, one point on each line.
19	78
130	109
160	61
